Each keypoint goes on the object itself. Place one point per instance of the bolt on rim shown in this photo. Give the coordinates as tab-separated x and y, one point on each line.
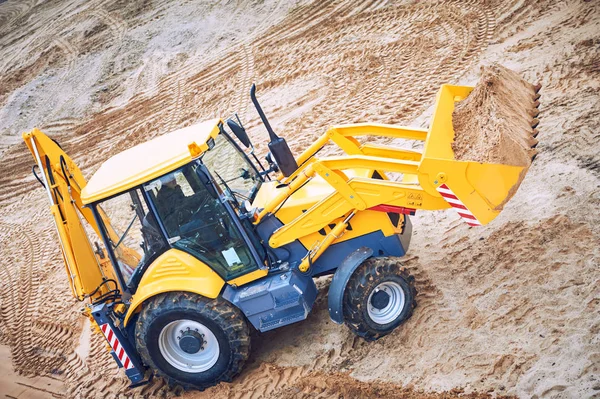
169	345
394	306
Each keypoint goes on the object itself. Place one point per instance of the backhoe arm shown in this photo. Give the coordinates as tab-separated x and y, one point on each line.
63	182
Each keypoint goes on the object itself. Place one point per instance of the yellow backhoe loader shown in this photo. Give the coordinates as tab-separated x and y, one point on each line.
201	241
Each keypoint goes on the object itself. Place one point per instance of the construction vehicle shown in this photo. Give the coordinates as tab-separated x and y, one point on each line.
201	242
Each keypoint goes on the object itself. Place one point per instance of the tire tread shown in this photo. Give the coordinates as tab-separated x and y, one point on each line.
228	317
360	285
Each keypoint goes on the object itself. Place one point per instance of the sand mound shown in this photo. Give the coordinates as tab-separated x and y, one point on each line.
270	381
495	122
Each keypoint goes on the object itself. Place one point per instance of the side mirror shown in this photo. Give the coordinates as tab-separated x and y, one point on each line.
239	132
204	176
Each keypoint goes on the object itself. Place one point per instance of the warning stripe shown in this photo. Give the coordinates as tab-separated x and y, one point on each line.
116	345
457	204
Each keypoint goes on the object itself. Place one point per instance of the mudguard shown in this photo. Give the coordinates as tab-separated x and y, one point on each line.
175	270
335	297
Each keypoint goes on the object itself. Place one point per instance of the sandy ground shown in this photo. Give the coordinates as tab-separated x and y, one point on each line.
13	385
509	309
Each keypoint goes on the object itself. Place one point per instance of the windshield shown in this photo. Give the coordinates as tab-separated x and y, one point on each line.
231	168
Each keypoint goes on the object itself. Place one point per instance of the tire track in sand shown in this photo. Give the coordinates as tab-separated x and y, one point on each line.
38	343
25	281
386	80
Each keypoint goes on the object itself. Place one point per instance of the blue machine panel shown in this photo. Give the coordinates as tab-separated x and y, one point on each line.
123	351
285	297
275	301
394	245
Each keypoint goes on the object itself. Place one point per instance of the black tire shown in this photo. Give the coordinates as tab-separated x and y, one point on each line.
224	320
369	275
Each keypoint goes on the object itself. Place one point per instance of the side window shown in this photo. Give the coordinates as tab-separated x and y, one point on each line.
199	224
176	201
133	233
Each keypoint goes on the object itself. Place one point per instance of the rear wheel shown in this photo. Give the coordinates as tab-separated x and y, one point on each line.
380	296
192	341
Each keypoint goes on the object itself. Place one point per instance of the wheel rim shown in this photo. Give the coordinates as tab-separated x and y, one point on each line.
169	343
394	307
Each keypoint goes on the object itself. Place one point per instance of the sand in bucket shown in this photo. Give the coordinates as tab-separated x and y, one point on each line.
495	123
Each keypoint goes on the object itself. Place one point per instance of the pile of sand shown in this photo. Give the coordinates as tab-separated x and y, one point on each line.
269	381
495	123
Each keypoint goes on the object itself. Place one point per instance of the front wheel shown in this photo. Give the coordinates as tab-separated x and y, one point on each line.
379	296
192	341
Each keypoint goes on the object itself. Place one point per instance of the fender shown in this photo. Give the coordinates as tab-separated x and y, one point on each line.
175	270
335	297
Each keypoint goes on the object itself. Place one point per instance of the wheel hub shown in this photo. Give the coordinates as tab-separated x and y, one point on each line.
191	341
380	299
189	346
386	302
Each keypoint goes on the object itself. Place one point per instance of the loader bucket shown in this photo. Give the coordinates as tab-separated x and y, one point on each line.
477	190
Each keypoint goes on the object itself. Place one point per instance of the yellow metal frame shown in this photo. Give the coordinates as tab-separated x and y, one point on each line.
355	193
82	264
482	187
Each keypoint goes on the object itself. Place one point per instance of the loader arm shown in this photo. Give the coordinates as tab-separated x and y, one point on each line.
431	180
352	194
89	272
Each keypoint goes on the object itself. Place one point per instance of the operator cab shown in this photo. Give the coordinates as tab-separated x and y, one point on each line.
196	221
193	208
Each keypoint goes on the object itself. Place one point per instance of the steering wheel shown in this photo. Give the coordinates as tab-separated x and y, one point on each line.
205	201
186	215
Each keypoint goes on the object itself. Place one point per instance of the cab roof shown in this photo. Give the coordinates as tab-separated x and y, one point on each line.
148	160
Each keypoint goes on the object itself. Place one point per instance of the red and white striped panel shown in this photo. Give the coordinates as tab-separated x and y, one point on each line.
116	345
455	203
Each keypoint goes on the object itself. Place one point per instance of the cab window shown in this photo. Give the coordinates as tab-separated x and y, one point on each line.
232	168
198	223
132	232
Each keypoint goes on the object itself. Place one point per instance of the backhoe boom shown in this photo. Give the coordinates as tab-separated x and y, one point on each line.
63	182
